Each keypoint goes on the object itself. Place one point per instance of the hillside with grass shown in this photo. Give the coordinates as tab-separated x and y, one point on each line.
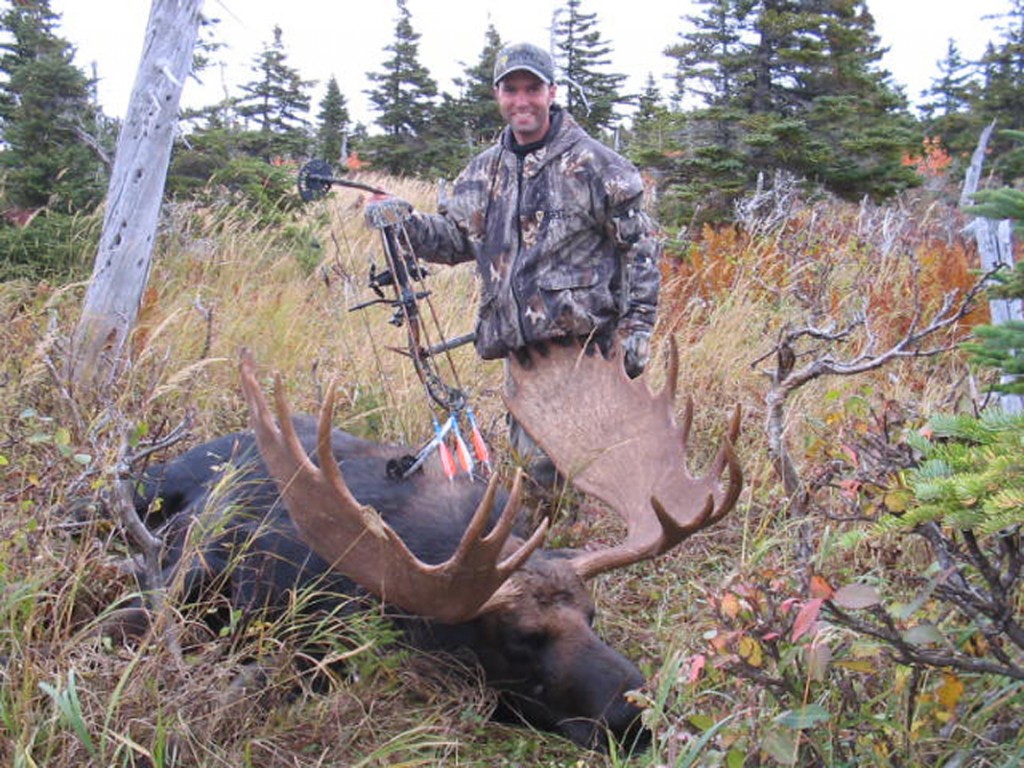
810	627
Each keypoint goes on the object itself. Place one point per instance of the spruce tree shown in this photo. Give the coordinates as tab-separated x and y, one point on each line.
1002	345
652	126
649	103
706	168
947	112
1001	97
786	85
857	122
333	119
711	58
276	103
45	112
404	100
475	101
951	91
467	122
591	93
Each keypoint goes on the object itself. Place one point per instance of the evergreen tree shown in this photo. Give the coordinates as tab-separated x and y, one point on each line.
947	111
221	113
711	59
706	168
475	101
771	83
404	100
1001	97
333	126
465	123
276	102
1002	346
592	93
857	122
652	126
45	113
952	90
970	477
787	84
649	102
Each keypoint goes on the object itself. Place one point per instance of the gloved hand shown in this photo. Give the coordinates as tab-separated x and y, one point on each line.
636	348
385	211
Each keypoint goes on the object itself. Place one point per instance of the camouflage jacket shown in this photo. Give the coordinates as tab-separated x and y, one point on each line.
560	240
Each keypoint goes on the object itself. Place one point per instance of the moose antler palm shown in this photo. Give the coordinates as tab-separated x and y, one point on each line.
357	542
616	440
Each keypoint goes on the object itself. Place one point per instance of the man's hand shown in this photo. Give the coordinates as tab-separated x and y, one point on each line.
384	211
636	348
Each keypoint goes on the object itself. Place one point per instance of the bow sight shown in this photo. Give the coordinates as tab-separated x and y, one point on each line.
316	179
394	287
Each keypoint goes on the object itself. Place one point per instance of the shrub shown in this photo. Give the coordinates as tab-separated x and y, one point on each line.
53	246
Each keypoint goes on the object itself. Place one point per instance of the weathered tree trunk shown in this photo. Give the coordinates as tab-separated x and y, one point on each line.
995	248
100	350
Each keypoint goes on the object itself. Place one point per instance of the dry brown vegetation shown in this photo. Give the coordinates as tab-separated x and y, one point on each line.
219	284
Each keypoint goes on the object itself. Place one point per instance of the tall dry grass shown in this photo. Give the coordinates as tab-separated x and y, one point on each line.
219	284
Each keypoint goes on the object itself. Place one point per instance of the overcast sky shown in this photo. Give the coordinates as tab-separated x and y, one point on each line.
346	39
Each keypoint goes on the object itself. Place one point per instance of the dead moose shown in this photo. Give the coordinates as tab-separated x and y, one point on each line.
312	505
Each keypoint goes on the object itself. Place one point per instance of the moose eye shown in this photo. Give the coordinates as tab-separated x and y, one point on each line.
525	644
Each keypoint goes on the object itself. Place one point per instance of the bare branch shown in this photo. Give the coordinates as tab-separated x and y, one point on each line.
93	143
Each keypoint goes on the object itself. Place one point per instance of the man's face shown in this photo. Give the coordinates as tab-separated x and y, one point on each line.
524	101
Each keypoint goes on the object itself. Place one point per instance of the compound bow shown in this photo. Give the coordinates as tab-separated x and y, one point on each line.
403	276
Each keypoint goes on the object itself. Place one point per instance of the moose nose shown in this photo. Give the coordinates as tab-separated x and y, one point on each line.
626	726
623	718
602	679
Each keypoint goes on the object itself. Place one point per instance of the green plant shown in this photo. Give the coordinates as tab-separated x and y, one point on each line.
65	699
970	477
51	246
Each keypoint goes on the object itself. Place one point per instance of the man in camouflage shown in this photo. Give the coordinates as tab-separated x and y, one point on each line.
553	219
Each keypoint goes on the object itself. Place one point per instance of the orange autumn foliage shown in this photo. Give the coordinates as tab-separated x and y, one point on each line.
829	259
934	160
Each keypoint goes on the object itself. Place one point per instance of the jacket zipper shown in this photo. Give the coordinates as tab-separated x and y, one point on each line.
513	271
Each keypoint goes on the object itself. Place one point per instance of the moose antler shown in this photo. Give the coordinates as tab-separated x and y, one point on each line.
616	440
356	541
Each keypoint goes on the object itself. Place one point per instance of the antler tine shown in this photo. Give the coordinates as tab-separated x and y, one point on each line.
476	536
686	421
719	501
672	375
356	541
617	441
726	459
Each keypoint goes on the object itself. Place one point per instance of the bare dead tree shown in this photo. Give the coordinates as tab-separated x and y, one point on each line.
995	248
98	356
121	270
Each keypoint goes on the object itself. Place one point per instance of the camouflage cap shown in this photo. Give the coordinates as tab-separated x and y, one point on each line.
523	56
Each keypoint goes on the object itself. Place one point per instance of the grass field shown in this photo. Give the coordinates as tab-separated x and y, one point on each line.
742	671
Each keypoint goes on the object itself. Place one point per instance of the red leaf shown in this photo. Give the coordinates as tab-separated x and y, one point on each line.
806	618
786	605
819	588
849	487
851	454
696	667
